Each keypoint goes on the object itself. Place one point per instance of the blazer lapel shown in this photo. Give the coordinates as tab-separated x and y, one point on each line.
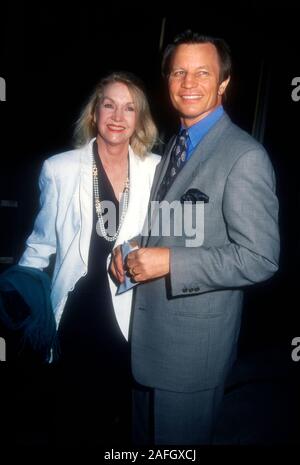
130	226
162	168
183	180
202	153
86	200
158	177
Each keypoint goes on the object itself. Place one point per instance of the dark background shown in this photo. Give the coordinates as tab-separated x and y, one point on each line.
52	57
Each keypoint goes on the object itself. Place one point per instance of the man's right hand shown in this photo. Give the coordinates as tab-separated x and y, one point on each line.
116	265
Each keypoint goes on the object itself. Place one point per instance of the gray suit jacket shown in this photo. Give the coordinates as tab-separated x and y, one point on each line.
185	327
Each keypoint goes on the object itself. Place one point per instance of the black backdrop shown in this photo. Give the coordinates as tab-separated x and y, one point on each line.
52	57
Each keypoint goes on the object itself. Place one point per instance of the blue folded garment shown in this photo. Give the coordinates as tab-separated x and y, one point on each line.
26	310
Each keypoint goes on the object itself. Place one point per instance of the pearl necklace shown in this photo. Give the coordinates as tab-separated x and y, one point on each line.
99	209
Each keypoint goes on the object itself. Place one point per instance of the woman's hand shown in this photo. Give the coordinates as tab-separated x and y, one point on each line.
116	266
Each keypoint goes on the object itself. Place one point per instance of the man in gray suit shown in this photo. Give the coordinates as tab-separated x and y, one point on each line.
187	306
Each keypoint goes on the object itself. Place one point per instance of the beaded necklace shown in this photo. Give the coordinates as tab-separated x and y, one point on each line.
100	209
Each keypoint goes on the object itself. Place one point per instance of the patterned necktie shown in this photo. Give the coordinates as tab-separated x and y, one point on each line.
177	160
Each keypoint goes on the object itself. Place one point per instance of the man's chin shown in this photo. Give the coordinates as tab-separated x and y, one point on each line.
192	118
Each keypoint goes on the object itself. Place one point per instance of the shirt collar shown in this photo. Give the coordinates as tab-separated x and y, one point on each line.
198	130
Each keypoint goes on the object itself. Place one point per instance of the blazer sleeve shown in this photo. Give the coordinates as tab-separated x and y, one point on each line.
251	254
42	241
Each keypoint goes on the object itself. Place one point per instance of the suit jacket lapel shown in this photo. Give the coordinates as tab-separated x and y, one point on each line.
203	152
183	180
158	177
162	168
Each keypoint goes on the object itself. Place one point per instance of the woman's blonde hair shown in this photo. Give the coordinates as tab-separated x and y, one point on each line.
145	134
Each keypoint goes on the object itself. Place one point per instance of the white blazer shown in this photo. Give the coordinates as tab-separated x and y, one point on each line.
65	220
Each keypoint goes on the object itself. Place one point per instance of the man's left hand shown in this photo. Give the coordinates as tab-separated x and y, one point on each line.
148	263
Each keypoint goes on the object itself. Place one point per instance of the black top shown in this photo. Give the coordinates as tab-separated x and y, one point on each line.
88	331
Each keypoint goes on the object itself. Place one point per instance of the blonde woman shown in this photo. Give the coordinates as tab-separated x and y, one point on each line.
92	199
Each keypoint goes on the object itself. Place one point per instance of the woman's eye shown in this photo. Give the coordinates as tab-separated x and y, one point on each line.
108	105
130	109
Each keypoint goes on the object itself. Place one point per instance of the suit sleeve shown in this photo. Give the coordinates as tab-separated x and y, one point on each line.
251	253
42	241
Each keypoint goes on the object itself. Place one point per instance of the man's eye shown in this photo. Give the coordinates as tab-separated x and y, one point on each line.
178	73
202	73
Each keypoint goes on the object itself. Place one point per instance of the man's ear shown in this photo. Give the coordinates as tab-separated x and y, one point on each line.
222	86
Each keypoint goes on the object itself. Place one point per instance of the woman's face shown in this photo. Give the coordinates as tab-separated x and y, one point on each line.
115	116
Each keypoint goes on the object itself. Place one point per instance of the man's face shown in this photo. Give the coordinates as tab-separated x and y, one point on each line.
193	82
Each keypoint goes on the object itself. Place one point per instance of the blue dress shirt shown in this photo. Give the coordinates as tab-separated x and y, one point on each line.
200	129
